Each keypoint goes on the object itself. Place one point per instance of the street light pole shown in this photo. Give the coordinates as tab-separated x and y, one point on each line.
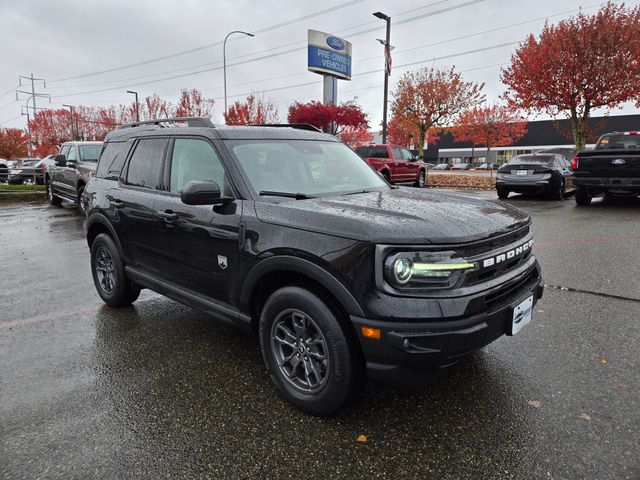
224	62
387	47
73	132
137	104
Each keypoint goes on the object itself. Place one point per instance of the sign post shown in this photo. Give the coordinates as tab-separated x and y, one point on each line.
330	56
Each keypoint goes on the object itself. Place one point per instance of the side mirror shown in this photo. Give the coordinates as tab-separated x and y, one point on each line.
60	160
202	193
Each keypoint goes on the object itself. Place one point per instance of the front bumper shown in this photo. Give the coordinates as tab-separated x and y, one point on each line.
408	352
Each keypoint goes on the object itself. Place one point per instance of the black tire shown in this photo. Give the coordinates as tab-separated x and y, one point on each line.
81	201
340	364
583	197
502	193
386	176
109	277
558	192
53	199
422	179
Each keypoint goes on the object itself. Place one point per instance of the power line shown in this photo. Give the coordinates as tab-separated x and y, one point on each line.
251	54
204	47
7	104
418	17
11	119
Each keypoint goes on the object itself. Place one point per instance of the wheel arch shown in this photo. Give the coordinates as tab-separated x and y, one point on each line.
276	272
97	224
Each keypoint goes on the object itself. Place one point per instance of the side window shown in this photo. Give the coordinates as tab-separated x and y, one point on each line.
73	153
406	154
145	165
111	160
395	151
64	150
195	159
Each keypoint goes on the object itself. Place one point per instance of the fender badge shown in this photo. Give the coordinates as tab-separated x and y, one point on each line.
222	262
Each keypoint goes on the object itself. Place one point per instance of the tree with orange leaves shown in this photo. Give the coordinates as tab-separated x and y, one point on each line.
253	111
399	133
490	126
355	136
193	104
578	65
433	99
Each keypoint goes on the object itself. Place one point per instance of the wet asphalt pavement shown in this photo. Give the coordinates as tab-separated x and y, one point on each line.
161	391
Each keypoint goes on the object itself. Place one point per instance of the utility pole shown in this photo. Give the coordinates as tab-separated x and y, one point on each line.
73	132
31	96
387	70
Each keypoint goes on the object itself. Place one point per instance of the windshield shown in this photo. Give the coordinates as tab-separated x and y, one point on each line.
530	159
90	153
619	142
305	167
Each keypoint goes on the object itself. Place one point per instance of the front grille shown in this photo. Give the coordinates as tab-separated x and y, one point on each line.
496	300
491	244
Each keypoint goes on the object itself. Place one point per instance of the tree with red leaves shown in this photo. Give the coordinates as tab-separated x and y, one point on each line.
356	137
193	104
253	111
13	143
348	114
578	65
431	99
490	126
49	128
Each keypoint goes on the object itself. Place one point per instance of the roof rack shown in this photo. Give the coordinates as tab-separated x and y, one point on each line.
298	126
191	122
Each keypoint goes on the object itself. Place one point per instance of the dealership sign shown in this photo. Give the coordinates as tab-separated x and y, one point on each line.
329	55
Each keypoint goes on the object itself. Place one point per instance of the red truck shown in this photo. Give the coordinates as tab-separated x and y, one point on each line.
396	164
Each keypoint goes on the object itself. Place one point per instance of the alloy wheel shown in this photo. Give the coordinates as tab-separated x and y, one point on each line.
105	270
300	351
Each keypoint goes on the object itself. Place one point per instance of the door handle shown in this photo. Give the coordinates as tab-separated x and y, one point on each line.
168	215
116	203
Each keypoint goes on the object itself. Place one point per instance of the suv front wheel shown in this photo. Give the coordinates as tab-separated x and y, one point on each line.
109	276
310	354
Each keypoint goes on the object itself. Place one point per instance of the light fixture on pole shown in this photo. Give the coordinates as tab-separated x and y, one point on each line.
224	61
387	70
137	104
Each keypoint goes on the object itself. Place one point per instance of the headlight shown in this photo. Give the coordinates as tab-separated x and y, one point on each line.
425	270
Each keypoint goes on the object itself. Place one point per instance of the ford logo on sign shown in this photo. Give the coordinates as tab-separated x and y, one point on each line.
335	43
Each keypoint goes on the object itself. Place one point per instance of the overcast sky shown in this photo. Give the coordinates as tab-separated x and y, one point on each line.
64	38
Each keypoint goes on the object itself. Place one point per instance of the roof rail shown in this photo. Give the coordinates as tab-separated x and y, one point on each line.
191	122
298	126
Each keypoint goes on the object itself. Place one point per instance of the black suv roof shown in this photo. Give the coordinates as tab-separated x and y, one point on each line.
197	125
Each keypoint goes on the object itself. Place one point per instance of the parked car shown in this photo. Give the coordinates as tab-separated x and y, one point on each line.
429	166
540	172
611	168
488	166
461	166
395	164
442	166
4	170
28	169
70	171
288	233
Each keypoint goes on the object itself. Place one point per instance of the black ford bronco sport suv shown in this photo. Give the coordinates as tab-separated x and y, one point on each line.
285	231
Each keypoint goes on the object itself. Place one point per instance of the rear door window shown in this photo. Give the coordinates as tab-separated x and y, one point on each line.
395	151
145	165
373	152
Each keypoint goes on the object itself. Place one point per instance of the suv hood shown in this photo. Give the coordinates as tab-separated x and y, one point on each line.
399	216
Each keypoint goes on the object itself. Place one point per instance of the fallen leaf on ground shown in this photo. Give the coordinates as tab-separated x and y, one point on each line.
584	416
534	403
603	361
361	438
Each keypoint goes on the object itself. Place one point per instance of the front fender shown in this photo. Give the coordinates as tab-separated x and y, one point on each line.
301	266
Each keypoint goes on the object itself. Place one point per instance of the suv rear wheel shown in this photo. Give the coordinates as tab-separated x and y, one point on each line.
309	353
82	200
108	272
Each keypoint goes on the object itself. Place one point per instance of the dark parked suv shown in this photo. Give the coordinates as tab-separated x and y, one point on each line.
285	231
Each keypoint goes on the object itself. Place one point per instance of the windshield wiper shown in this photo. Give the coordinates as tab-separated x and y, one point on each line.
297	196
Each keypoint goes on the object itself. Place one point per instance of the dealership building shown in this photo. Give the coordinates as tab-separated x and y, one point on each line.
540	134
